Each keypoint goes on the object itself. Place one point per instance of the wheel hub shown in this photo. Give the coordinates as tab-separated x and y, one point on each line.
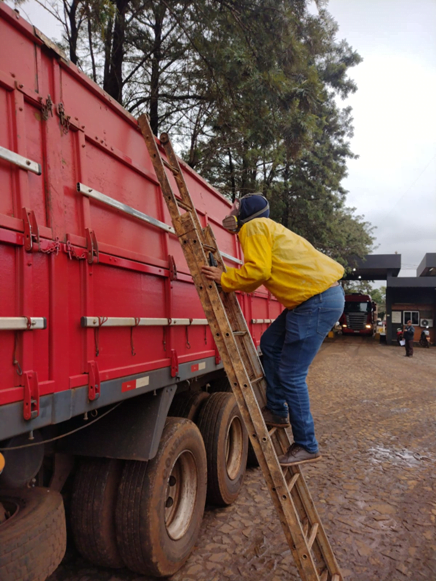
181	494
234	447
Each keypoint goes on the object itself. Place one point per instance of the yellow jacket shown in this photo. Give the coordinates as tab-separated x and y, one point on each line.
287	264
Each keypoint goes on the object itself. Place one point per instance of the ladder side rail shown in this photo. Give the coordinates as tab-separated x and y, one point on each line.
301	497
232	306
159	168
248	404
180	180
321	545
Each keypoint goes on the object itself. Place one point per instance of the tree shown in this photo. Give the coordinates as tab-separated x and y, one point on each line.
248	90
379	296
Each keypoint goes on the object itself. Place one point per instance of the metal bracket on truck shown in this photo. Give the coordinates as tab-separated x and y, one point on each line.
94	381
31	230
92	245
31	395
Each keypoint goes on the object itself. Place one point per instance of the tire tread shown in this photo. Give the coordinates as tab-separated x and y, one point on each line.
94	542
32	550
216	410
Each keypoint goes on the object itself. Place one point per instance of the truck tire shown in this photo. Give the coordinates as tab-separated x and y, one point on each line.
33	540
93	504
226	442
187	405
161	502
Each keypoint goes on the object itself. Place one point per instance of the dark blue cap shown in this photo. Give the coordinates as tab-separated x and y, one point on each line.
253	206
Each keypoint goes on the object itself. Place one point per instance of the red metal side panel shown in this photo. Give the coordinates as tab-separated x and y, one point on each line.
7	173
16	48
85	137
8	308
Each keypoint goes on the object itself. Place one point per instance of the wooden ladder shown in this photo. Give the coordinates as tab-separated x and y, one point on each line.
303	529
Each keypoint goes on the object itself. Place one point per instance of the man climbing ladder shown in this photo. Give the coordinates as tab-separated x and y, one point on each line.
301	524
305	282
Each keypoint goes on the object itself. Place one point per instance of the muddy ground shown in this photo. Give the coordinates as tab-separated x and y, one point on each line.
375	488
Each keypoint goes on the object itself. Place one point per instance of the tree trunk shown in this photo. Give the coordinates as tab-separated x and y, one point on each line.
232	176
159	15
285	216
91	50
113	78
107	50
74	31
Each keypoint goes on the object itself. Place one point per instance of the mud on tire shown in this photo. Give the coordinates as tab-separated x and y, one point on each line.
226	442
33	539
161	502
93	511
188	404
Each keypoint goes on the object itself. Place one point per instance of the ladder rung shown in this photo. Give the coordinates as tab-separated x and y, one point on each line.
183	205
239	334
256	380
208	247
169	166
272	431
313	534
324	575
293	481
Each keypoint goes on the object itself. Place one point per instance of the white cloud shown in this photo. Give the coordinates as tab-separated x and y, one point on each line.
393	183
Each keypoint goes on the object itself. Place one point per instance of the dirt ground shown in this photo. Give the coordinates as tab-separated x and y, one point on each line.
375	488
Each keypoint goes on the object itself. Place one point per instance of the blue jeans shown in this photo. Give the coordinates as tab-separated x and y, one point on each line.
289	346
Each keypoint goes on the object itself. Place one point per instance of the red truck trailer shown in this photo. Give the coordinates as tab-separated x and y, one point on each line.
359	316
111	388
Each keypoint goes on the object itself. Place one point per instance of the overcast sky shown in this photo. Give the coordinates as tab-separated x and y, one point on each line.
393	183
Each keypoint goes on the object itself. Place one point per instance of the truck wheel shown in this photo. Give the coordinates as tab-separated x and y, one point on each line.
161	502
226	442
187	405
33	537
93	511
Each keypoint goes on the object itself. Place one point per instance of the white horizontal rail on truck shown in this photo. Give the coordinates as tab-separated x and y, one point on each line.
20	161
22	323
138	322
257	321
91	193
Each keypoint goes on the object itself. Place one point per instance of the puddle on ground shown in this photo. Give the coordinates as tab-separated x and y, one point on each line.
402	457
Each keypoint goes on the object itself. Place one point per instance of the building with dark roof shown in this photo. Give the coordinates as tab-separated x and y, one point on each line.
407	298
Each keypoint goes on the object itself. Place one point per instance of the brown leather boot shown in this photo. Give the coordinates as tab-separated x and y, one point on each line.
298	455
272	419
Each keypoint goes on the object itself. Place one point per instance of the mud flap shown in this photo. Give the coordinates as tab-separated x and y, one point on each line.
130	432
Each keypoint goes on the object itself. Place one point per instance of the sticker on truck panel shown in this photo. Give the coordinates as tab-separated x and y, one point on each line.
135	383
198	366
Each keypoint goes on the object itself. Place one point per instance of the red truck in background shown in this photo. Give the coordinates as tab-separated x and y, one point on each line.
359	316
111	389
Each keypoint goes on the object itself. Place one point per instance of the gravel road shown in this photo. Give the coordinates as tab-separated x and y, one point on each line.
375	416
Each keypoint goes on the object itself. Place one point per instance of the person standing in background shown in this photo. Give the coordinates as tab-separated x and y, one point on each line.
409	334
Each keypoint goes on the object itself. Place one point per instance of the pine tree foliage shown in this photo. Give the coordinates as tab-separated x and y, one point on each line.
249	90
